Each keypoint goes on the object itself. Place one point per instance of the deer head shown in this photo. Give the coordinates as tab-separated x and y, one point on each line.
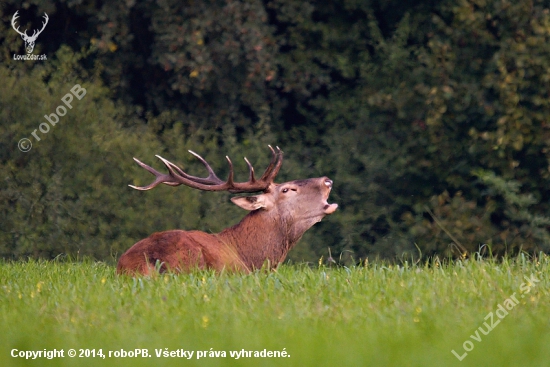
279	216
29	40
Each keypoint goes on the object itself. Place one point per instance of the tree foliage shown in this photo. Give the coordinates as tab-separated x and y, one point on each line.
431	117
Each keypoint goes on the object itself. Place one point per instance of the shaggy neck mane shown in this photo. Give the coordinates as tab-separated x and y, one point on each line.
259	237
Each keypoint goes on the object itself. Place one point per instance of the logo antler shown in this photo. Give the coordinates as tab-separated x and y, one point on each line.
29	40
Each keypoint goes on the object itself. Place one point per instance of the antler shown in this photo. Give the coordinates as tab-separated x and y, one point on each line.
43	26
177	176
24	34
15	16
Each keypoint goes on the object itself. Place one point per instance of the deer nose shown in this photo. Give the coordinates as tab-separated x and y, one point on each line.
328	182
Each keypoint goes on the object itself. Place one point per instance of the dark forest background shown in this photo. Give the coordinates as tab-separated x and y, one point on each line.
432	118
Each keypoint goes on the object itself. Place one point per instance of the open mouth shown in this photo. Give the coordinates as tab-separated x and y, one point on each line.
329	208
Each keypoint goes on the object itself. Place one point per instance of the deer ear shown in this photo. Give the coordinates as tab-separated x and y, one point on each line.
251	202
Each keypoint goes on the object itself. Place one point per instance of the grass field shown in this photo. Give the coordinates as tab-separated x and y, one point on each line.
377	315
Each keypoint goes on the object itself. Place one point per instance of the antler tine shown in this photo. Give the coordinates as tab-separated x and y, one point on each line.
278	166
160	178
44	23
170	166
37	32
13	19
177	177
273	169
212	179
229	181
271	163
251	177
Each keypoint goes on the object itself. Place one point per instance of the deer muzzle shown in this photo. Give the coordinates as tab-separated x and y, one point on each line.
329	208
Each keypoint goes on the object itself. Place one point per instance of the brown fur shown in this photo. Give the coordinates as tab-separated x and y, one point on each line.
278	219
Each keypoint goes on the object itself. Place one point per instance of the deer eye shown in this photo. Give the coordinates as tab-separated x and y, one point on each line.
285	190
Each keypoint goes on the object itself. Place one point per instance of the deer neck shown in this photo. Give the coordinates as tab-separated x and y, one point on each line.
259	237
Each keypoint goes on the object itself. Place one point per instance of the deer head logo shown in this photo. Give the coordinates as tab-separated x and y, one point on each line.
29	40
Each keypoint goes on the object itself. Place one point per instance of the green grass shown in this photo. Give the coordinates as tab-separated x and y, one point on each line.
378	315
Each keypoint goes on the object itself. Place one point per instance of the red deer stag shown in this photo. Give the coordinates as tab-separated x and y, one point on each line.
279	217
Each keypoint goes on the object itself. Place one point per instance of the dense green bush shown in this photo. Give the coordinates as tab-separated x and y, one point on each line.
431	117
69	193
